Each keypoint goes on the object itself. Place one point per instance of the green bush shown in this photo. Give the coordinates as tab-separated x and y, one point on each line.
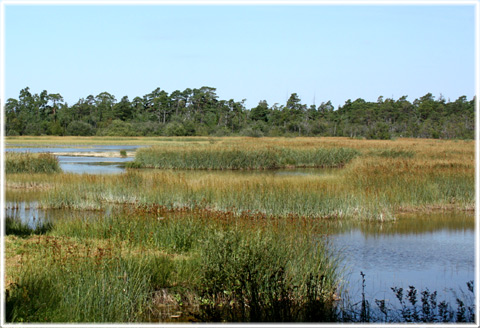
34	129
118	128
174	129
79	128
13	133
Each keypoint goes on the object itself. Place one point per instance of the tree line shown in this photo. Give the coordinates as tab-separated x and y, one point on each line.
200	112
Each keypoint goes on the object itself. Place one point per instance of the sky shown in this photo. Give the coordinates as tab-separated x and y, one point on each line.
253	52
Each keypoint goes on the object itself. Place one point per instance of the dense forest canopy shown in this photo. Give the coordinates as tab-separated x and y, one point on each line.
199	112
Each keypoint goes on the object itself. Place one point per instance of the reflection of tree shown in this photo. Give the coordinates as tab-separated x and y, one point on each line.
414	223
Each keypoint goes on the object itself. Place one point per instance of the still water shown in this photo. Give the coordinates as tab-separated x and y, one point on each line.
86	159
434	251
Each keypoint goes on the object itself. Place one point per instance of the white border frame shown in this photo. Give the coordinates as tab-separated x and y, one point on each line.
474	3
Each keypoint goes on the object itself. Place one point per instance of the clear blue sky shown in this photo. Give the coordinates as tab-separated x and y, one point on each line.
253	52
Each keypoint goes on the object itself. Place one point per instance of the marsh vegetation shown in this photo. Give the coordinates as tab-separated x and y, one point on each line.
230	242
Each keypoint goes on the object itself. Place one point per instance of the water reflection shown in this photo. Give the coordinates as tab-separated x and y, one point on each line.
434	251
69	149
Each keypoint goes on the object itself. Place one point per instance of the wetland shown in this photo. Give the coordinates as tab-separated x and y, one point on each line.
286	233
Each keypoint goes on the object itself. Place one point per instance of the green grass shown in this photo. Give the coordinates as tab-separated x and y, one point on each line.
215	158
322	196
366	189
110	269
98	289
31	163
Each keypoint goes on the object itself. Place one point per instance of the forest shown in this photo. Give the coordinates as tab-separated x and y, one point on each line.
200	112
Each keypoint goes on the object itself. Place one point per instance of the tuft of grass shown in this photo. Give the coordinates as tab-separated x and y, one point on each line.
102	288
31	163
266	279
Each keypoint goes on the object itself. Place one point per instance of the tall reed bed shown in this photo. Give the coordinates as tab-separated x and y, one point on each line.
221	158
31	163
407	184
367	189
319	196
110	270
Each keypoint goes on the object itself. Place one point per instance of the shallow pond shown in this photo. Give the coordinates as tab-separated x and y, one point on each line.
434	251
86	159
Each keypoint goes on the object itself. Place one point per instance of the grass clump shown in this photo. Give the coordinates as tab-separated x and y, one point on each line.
227	158
31	163
264	280
102	288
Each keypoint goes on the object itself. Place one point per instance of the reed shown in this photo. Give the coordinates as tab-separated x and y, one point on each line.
31	163
380	181
101	288
110	268
302	196
220	158
266	281
366	189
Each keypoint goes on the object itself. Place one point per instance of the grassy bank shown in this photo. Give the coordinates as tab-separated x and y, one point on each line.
142	268
195	268
368	188
54	141
31	163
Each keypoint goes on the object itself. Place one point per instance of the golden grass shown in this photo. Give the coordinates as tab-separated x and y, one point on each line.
388	177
